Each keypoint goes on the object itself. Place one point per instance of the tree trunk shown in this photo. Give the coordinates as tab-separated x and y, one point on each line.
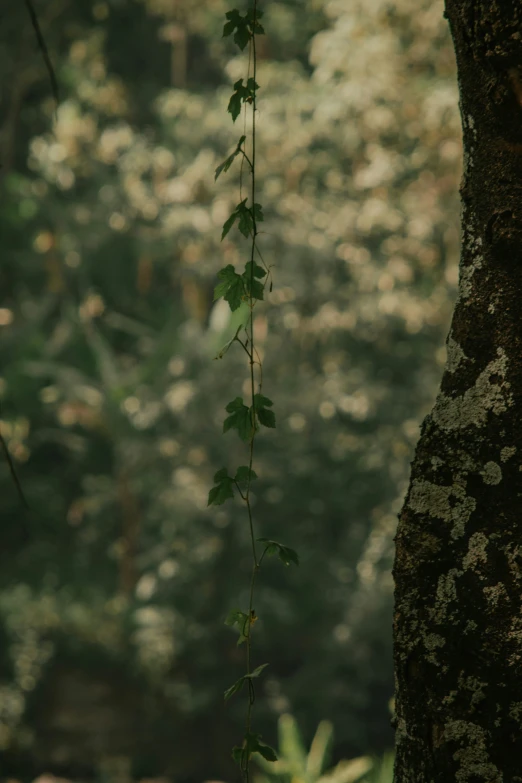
457	571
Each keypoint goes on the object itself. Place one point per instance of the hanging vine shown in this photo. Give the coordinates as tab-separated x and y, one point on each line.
236	288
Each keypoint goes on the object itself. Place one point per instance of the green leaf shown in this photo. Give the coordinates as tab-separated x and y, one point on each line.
256	28
242	36
227	225
258	271
235	616
254	744
227	345
258	213
234	688
239	96
262	402
238	26
286	555
239	419
251	86
223	489
238	212
239	619
246	223
266	417
234	18
242	27
242	93
231	288
224	167
255	289
220	475
256	672
266	751
244	473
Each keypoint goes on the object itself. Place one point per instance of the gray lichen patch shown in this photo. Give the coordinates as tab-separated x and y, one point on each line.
445	594
494	593
472	755
432	641
432	499
507	452
476	687
446	588
476	553
515	639
455	354
492	473
466	277
515	711
472	408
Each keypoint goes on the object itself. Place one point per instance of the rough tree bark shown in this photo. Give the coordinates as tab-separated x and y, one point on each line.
458	563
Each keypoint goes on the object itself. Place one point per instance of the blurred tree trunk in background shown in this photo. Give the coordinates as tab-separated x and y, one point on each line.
458	577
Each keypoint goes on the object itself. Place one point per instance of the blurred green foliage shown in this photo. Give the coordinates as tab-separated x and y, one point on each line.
115	585
295	765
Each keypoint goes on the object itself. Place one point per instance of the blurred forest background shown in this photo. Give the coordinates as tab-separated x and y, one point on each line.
114	587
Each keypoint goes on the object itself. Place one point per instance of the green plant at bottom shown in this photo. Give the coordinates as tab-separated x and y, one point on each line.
296	765
382	770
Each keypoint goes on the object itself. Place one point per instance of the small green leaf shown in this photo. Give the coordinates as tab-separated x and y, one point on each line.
242	27
227	225
258	213
286	555
239	619
234	18
239	96
235	616
223	489
258	270
244	474
224	167
231	288
266	751
262	402
242	93
237	25
256	672
254	744
246	224
239	419
255	289
256	28
221	474
234	688
227	345
242	36
252	86
266	417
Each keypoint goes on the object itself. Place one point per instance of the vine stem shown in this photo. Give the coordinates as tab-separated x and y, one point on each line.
255	567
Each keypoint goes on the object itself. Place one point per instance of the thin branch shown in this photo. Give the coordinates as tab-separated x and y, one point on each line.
43	48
